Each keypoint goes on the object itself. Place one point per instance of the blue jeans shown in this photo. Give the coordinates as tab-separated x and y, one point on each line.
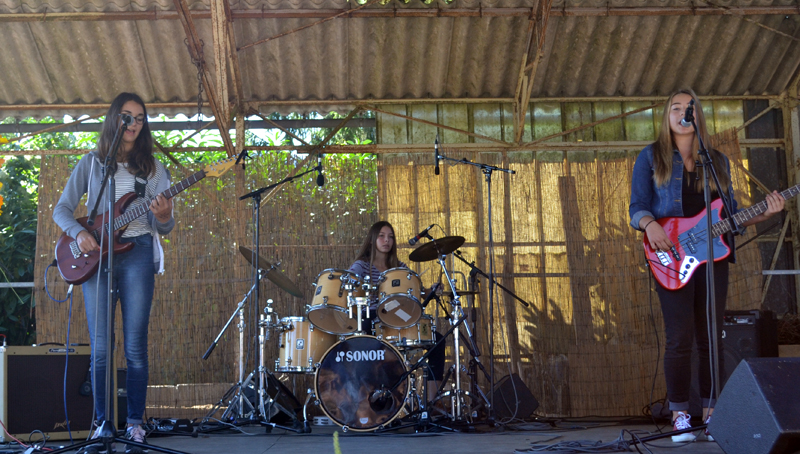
134	281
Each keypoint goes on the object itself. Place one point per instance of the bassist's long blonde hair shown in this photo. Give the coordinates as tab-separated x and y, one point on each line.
664	146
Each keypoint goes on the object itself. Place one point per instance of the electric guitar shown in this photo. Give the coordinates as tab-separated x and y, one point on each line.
77	267
673	269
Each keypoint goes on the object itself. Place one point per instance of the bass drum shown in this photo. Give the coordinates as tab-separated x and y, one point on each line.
350	378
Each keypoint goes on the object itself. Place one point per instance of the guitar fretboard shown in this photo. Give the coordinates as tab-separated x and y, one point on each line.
724	226
141	209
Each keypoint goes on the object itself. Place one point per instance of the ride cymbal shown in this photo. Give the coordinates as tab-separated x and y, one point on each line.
273	274
432	250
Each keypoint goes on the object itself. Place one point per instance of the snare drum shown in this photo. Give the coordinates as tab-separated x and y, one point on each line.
328	310
301	346
352	377
399	298
416	336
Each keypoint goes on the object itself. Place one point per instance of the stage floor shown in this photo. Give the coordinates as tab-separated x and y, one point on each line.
519	438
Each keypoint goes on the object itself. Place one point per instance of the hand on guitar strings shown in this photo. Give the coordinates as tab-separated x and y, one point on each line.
86	242
161	208
659	241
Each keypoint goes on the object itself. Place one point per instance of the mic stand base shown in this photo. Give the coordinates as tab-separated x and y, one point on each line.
107	437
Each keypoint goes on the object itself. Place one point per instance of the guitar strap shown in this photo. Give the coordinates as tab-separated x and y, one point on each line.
140	184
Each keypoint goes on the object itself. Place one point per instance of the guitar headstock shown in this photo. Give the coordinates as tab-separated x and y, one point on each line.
216	169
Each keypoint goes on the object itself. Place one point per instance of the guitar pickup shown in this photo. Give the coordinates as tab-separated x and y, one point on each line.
664	258
692	241
76	251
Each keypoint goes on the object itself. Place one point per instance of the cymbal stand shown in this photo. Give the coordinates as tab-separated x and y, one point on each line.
359	302
238	402
458	317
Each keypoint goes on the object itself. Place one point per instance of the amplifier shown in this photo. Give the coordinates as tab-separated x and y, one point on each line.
32	391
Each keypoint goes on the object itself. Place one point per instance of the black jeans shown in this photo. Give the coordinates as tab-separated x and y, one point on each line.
685	321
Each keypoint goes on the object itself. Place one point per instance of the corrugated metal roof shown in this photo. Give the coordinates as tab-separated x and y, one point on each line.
78	62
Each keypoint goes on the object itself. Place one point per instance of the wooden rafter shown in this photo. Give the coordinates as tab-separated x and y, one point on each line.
195	50
153	15
534	50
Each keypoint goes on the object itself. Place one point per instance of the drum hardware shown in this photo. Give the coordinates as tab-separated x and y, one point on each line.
266	406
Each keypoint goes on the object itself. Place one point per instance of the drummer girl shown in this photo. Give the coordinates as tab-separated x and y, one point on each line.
378	254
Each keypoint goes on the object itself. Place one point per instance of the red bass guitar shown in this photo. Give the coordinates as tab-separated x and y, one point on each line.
673	269
76	267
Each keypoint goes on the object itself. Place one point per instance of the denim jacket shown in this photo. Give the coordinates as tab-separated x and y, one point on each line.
647	199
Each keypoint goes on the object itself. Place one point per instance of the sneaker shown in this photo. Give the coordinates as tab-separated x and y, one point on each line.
682	423
706	432
137	434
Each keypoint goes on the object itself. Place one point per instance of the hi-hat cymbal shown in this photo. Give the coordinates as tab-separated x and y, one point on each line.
432	250
273	273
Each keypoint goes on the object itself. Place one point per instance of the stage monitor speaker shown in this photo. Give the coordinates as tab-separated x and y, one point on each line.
757	410
745	334
505	405
32	391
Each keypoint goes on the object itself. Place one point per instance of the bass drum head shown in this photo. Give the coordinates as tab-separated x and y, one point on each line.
350	373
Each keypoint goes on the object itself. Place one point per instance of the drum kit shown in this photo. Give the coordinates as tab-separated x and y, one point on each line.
364	379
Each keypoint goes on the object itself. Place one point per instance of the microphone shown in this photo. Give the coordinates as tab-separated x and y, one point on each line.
421	234
127	120
436	155
320	176
688	116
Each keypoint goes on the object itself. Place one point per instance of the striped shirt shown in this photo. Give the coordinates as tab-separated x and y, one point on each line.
125	182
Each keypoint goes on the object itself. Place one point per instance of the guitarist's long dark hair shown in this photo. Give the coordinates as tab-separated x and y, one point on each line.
367	251
140	157
664	146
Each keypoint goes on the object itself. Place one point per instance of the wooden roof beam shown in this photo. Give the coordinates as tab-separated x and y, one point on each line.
537	29
195	48
153	15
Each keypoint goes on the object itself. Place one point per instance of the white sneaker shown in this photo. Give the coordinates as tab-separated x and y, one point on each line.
682	423
706	432
137	434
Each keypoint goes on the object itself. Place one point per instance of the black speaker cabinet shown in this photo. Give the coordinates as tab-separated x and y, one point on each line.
32	391
505	392
758	411
745	334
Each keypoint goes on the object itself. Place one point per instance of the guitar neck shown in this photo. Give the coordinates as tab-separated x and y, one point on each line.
724	226
142	209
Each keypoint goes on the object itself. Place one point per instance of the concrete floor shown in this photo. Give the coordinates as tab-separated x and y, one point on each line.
509	439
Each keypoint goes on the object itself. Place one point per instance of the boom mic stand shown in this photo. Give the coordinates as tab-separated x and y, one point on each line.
711	306
265	403
487	172
107	432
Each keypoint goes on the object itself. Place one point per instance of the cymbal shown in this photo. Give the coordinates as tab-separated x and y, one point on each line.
273	273
461	293
428	251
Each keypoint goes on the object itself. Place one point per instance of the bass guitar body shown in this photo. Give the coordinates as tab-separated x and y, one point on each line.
77	267
673	269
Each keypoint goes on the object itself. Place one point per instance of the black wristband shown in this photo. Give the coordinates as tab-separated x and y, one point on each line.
645	226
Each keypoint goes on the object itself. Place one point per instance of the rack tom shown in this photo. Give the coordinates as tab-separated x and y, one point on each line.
328	310
399	292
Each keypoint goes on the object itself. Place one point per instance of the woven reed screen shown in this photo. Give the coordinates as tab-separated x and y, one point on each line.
585	345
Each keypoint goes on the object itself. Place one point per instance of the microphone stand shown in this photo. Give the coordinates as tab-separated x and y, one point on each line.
711	305
487	172
107	432
264	375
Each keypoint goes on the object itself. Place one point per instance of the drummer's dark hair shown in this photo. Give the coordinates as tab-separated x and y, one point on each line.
367	251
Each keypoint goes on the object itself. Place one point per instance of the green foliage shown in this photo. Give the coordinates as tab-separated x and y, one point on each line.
20	178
